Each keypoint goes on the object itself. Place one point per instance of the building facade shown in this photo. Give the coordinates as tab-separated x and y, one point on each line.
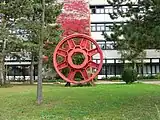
113	64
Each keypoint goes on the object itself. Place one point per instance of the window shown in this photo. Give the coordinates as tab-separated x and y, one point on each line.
110	69
107	28
119	68
97	9
93	11
108	10
93	27
100	27
102	45
103	70
102	10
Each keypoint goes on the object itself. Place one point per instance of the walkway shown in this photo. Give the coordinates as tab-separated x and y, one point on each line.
110	82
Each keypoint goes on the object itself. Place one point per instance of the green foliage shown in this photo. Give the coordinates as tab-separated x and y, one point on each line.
157	76
26	17
129	75
78	58
96	78
142	31
21	28
148	77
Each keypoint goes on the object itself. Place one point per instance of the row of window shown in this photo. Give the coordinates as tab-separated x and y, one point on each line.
98	27
106	9
116	69
104	45
21	70
107	69
101	27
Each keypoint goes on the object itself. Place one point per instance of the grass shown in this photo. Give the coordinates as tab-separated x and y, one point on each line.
101	102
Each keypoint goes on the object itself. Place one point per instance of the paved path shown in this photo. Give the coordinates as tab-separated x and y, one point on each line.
110	82
151	82
99	82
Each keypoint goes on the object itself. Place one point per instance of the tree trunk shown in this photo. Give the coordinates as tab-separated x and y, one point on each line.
2	66
39	85
2	80
134	64
32	70
5	75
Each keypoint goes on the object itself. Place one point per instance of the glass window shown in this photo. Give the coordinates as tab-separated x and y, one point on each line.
119	69
98	10
93	27
100	27
107	28
110	10
102	10
153	69
102	46
110	69
93	10
103	70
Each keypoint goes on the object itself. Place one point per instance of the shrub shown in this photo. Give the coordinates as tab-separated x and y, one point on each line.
157	76
129	75
96	78
148	77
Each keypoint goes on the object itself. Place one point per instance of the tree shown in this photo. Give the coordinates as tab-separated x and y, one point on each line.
42	31
39	23
44	27
34	19
39	85
9	42
28	22
142	31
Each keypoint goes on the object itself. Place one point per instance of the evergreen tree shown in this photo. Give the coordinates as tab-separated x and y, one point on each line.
141	32
36	20
9	42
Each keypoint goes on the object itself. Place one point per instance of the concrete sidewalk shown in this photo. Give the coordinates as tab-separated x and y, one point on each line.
97	82
121	82
151	82
108	82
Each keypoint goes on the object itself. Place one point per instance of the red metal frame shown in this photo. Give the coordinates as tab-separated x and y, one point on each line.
72	48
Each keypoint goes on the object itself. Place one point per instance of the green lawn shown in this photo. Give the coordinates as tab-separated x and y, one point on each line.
101	102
